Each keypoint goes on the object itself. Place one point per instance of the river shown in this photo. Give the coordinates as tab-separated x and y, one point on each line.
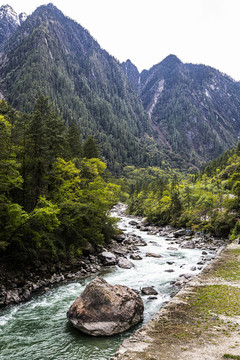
39	330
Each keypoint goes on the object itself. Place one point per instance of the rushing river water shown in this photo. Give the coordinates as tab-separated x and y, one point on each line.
39	330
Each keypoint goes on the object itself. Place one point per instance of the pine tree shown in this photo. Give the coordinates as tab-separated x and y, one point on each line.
74	142
46	136
90	148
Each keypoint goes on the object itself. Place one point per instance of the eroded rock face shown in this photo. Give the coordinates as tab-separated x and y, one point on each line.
104	310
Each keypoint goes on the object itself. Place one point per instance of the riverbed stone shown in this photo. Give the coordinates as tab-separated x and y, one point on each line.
153	255
149	290
135	257
188	245
133	223
108	258
125	263
105	310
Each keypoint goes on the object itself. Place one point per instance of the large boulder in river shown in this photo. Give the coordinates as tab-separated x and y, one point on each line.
104	310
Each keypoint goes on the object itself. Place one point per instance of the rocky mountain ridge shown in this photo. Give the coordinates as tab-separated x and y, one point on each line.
195	109
174	113
9	22
52	54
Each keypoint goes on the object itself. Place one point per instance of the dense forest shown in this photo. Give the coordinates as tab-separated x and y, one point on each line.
55	195
208	201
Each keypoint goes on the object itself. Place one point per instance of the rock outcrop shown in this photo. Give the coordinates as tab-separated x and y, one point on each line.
104	310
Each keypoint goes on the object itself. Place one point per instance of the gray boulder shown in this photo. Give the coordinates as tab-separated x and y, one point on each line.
188	245
125	263
153	255
104	310
135	257
108	258
149	290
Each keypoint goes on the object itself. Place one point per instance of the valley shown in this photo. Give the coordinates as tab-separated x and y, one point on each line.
109	171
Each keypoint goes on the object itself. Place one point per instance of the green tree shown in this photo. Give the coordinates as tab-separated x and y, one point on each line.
46	143
74	142
90	148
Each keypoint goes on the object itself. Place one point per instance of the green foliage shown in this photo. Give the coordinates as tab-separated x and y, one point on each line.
90	148
51	198
202	202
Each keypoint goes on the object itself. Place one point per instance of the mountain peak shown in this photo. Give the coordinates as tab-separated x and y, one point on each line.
7	13
9	22
132	73
171	60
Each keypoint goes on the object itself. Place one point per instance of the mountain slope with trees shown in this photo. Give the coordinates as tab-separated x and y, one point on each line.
175	114
194	109
208	201
51	54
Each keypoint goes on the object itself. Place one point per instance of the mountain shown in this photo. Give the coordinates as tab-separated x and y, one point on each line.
176	114
52	54
9	22
132	73
194	109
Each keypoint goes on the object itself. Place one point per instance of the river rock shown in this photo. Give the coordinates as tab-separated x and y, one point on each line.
140	242
125	263
119	238
104	310
135	257
188	245
179	233
149	290
133	223
108	258
153	255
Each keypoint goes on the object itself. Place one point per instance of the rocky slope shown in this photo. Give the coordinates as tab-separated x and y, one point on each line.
194	109
9	22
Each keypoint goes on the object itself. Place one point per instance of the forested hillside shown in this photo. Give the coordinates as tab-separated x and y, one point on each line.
53	201
51	54
194	109
175	114
208	201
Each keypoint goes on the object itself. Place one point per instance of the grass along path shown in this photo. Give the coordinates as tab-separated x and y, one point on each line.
202	322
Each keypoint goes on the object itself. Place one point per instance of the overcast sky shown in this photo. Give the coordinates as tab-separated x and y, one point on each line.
146	31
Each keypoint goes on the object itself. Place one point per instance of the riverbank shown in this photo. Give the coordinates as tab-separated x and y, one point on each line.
202	322
20	284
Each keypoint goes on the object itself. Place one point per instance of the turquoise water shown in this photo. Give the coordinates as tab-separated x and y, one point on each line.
39	330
